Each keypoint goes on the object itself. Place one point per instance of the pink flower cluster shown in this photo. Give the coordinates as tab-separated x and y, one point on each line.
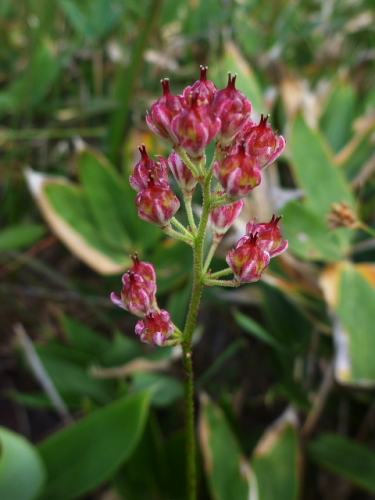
138	297
253	252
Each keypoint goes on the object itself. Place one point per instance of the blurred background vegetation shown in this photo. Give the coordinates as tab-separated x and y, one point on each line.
287	363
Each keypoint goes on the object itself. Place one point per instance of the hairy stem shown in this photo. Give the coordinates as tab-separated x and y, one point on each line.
187	342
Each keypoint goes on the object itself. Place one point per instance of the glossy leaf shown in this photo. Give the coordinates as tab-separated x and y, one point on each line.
83	456
276	461
22	472
322	182
65	208
227	470
351	459
350	291
309	236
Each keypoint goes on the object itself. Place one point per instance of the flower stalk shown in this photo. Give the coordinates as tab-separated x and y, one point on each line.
189	123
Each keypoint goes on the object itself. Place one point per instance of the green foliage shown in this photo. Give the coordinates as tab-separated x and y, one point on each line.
22	472
344	456
99	443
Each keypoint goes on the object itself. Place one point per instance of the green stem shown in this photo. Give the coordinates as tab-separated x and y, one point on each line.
187	342
181	227
210	255
223	272
190	215
175	234
182	154
230	283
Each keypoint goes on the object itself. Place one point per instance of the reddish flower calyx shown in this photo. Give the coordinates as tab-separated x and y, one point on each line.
143	269
182	174
147	169
268	236
222	218
262	143
155	328
248	260
238	173
163	111
137	295
233	109
195	127
157	205
203	88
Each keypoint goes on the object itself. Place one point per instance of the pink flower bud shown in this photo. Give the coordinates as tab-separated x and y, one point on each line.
268	236
262	143
147	169
248	260
163	111
195	127
155	328
157	205
205	89
238	174
233	109
144	269
223	217
182	173
137	295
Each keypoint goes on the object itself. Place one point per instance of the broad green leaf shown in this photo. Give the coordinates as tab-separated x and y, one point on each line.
353	460
322	182
85	339
145	474
227	470
83	456
22	472
254	328
350	291
338	116
276	461
73	379
106	198
20	236
166	389
65	208
309	236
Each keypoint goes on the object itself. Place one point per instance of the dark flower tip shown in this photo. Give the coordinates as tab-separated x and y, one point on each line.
263	120
275	220
165	85
231	81
203	73
135	258
142	150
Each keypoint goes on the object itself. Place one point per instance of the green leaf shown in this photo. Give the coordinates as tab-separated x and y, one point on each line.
22	472
254	328
166	389
346	457
73	379
20	236
66	210
350	291
276	462
84	339
227	470
322	182
106	198
309	236
338	116
83	456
